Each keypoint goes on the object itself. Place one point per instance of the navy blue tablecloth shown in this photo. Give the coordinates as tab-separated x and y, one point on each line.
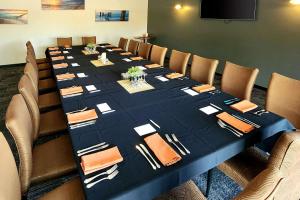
167	105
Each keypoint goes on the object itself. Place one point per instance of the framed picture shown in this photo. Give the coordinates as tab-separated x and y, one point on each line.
63	4
13	16
111	15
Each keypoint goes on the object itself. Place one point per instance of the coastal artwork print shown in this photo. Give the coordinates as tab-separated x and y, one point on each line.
112	15
63	4
13	16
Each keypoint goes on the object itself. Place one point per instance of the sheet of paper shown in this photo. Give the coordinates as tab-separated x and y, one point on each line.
90	88
65	52
162	78
70	57
127	59
142	67
144	129
209	110
81	75
191	92
103	107
110	50
75	64
69	48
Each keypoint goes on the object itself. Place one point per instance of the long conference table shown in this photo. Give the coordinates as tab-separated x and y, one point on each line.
167	105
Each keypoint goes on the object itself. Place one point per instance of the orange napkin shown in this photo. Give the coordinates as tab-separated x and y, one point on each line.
65	76
58	58
174	75
137	58
61	65
204	88
67	46
52	53
234	122
162	150
153	66
100	160
126	54
71	90
117	49
53	48
74	118
244	106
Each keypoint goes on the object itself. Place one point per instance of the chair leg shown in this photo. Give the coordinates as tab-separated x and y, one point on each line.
208	182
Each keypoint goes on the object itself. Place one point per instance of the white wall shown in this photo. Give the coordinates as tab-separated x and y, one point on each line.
45	25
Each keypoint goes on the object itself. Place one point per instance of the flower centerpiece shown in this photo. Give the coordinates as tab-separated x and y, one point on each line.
135	75
91	47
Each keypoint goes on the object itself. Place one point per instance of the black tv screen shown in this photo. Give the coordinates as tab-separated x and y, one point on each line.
228	9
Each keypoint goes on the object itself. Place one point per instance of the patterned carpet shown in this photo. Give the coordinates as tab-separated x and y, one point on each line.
222	188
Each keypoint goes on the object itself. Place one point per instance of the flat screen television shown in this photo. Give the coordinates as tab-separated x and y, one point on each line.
228	9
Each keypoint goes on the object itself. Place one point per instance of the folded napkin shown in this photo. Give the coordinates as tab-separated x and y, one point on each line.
174	75
117	49
71	90
61	65
65	76
153	66
204	88
234	122
74	118
58	58
126	54
100	160
67	46
244	106
162	150
53	48
52	53
137	58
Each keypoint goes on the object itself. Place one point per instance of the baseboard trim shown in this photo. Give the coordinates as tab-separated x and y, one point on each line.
12	65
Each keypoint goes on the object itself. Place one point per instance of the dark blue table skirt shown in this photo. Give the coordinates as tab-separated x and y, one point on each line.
175	112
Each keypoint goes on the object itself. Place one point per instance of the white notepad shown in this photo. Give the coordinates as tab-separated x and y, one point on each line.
103	107
65	52
162	78
191	92
75	64
142	67
209	110
70	57
127	59
144	129
90	88
81	75
110	50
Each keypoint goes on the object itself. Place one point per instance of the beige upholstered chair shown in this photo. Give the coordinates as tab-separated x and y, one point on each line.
64	42
203	69
10	186
43	62
238	80
123	43
43	162
43	74
44	85
133	46
283	98
144	50
179	61
46	101
158	54
89	40
51	122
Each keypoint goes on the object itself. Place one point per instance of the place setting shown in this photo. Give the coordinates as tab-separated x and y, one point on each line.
71	91
81	118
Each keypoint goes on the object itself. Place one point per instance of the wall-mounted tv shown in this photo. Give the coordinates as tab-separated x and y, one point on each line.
228	9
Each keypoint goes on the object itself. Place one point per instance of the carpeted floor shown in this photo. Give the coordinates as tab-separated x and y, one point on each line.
222	188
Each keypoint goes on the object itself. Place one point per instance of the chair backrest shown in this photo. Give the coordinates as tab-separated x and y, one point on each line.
88	40
158	54
10	187
33	74
179	61
144	50
61	42
283	98
30	59
123	43
203	69
18	122
238	80
27	90
30	49
281	179
133	46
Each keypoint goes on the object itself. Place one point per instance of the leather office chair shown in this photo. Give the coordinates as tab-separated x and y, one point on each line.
43	162
238	80
144	50
64	42
158	54
89	40
10	186
133	46
179	61
203	69
47	123
46	101
283	98
42	74
123	43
